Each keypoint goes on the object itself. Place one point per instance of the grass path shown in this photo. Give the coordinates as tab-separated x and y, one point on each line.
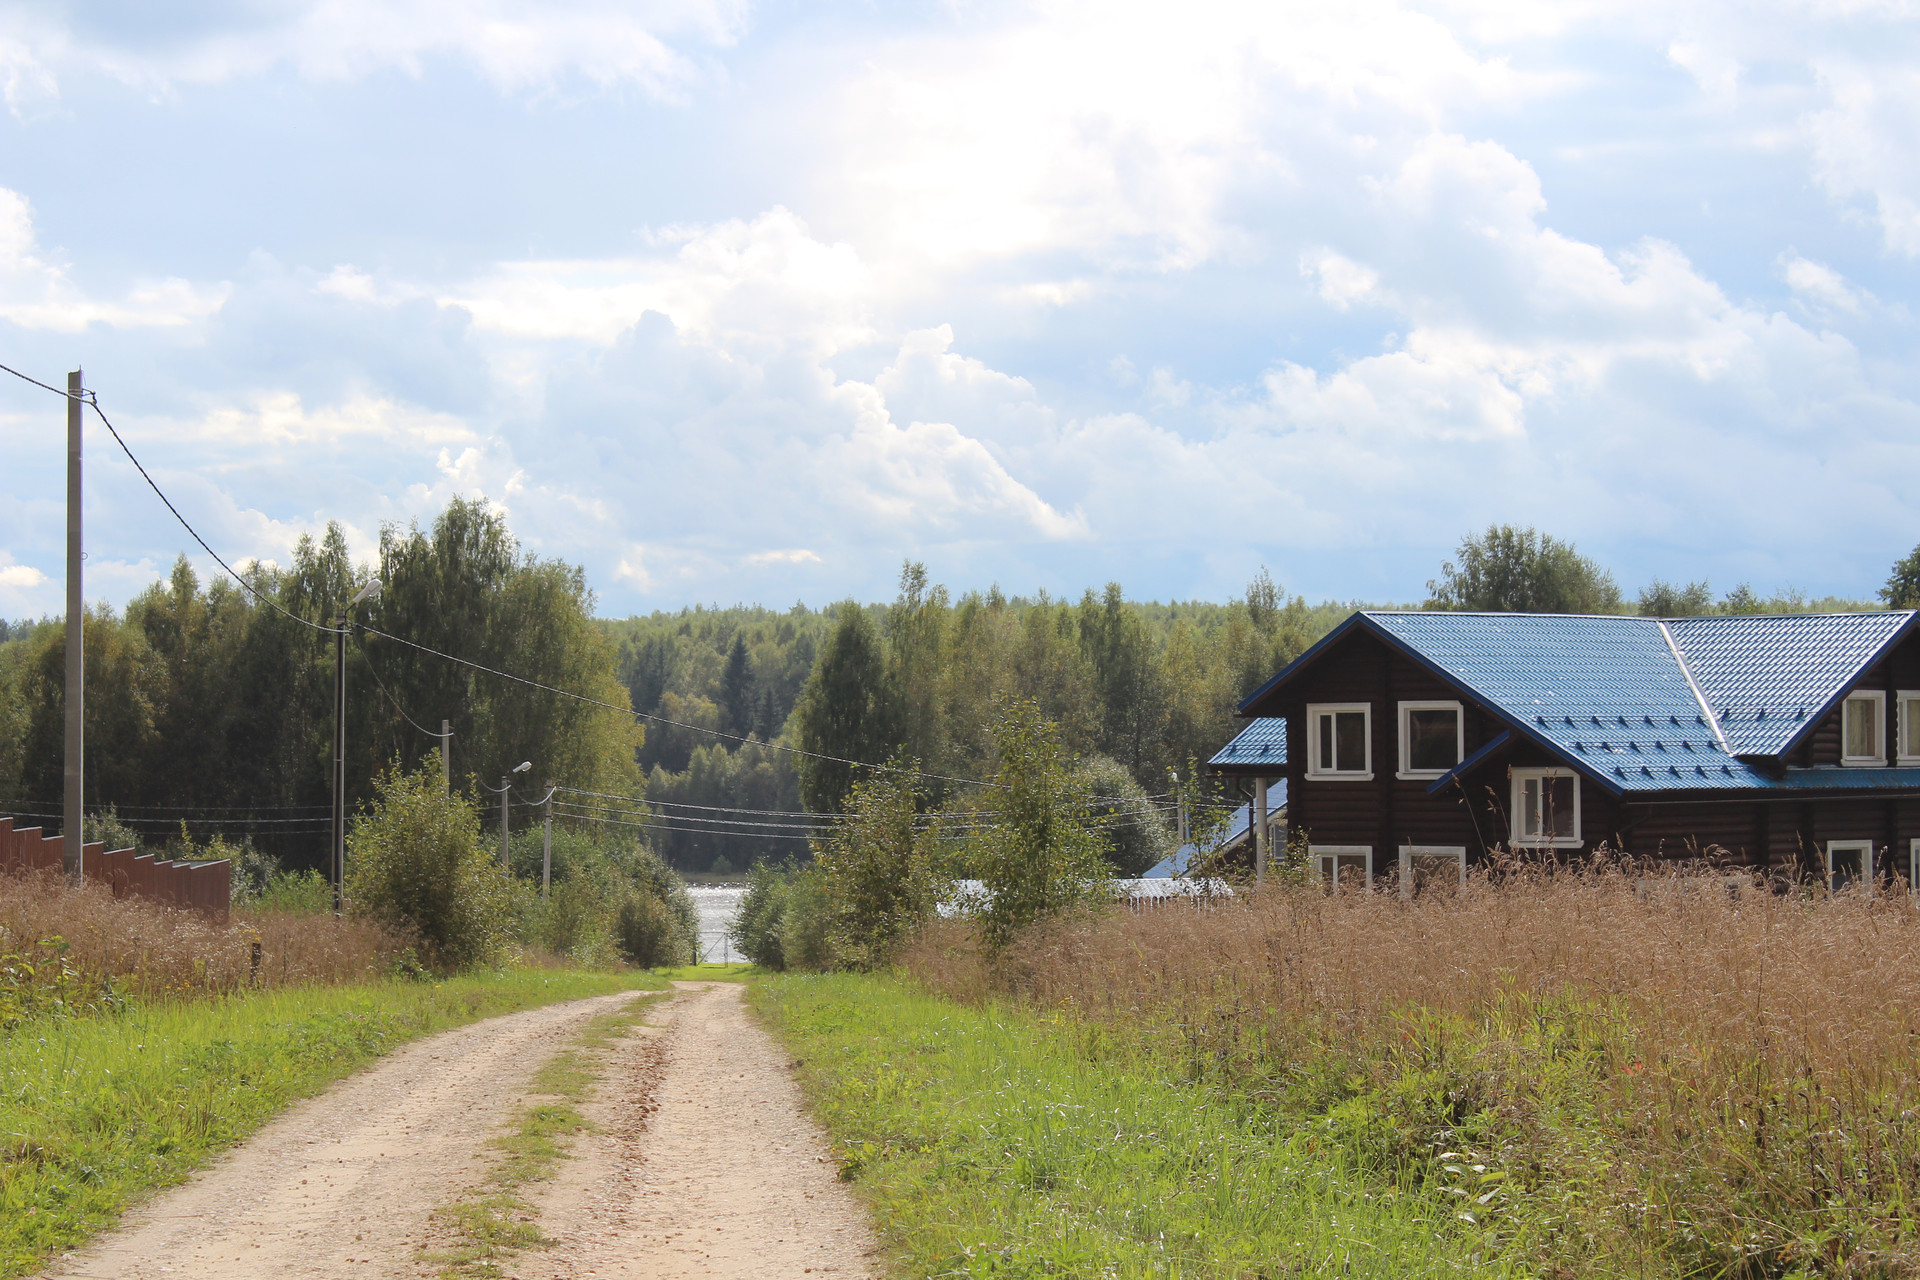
988	1144
97	1112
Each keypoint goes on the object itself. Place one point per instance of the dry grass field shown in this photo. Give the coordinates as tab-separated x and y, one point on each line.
1659	1073
59	941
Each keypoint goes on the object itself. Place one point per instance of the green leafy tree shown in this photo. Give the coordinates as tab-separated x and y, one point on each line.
1038	854
1660	599
847	713
880	868
1136	837
1903	584
418	861
1513	570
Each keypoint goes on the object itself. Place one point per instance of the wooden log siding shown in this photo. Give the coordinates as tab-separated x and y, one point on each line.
206	887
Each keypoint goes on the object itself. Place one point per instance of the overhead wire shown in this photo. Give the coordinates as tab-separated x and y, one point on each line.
91	398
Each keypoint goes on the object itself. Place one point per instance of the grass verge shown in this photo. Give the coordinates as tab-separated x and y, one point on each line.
97	1111
993	1142
496	1222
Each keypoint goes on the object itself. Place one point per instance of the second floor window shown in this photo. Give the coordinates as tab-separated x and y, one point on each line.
1863	738
1430	738
1340	740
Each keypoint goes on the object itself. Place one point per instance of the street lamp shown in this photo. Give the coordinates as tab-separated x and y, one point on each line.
506	788
339	859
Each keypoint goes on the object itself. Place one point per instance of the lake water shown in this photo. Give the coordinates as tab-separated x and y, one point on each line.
717	905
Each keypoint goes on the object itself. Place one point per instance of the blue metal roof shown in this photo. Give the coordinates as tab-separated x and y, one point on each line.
1769	677
1612	696
1261	744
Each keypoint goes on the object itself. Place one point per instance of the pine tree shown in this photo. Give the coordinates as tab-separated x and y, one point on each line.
736	690
845	714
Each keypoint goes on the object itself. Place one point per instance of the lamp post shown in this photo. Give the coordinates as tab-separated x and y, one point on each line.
506	796
339	868
546	843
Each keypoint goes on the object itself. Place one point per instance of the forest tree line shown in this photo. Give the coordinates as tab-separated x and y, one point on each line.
210	704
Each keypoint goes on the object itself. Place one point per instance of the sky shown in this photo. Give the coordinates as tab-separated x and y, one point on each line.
730	302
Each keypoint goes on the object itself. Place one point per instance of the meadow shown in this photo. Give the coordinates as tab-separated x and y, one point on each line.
1611	1071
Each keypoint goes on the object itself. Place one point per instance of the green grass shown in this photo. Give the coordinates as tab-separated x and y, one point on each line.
739	971
496	1221
97	1111
990	1142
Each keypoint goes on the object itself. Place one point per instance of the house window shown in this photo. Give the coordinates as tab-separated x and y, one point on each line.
1348	865
1430	868
1863	739
1340	740
1546	808
1432	738
1849	862
1908	729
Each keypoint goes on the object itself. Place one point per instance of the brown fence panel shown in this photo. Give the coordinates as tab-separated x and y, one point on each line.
206	887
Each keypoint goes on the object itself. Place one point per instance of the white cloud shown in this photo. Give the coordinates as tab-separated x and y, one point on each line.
19	576
515	44
1341	281
37	292
767	281
281	418
794	555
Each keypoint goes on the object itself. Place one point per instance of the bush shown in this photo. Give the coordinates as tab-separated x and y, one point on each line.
418	861
648	933
755	931
106	828
804	943
879	868
608	896
293	893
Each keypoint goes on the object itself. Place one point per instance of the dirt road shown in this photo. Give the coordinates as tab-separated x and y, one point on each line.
702	1164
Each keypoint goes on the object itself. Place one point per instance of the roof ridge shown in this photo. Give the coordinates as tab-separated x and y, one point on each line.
1713	721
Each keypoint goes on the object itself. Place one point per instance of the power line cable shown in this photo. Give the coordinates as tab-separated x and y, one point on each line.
375	672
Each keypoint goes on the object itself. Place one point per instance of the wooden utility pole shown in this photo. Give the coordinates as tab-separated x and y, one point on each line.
76	707
338	871
506	794
446	757
546	846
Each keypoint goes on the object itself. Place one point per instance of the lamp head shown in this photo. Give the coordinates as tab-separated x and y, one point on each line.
369	592
523	766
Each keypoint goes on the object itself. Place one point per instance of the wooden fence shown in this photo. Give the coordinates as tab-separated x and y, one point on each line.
206	887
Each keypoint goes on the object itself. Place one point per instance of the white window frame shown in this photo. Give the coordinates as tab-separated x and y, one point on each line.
1865	847
1907	703
1878	697
1316	767
1318	852
1406	740
1408	852
1521	841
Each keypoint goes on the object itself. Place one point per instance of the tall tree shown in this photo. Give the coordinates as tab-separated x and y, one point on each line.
1513	570
736	689
847	712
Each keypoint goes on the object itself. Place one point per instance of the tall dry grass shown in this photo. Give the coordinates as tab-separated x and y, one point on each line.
1646	1069
132	947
